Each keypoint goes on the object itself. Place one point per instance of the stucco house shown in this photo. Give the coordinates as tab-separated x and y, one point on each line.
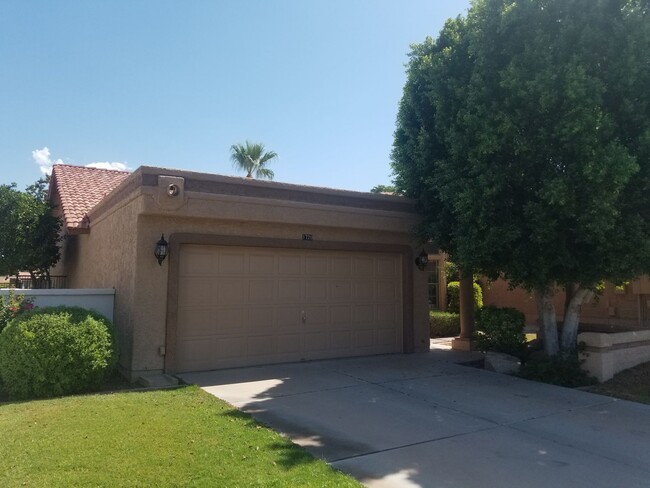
258	272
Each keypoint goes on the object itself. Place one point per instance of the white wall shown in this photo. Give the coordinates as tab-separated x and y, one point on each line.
100	300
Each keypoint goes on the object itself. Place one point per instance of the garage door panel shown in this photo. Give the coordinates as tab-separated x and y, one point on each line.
290	291
197	321
232	263
290	344
387	290
364	290
340	266
316	342
288	318
387	313
289	264
259	306
341	290
261	291
386	267
196	291
262	264
364	314
232	291
262	346
315	290
341	340
231	320
316	265
230	347
364	266
341	314
198	261
315	317
261	318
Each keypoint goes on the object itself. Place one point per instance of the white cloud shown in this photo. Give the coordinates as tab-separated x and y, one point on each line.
42	158
45	162
105	165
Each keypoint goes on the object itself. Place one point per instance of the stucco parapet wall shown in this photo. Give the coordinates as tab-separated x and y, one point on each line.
204	195
598	341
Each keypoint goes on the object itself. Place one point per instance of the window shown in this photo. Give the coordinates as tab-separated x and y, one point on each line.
434	285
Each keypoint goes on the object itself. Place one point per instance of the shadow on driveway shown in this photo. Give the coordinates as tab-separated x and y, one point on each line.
422	420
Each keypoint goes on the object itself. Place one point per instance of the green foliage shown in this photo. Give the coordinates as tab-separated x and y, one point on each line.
525	140
29	232
501	330
452	273
252	158
443	324
558	370
56	351
12	305
382	189
453	296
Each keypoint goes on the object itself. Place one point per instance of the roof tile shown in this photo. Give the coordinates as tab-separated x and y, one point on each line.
81	188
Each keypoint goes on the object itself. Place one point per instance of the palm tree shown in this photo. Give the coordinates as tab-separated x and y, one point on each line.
252	158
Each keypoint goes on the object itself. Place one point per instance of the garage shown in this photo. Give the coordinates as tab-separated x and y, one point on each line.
242	306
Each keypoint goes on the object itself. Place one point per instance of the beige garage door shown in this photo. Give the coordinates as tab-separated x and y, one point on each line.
245	306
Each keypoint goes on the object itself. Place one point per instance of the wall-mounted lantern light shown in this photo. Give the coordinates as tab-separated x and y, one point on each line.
162	248
422	260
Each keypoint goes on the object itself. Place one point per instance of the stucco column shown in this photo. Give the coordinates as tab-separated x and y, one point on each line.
466	299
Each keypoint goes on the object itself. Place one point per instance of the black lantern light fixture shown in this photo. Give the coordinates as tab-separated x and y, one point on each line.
422	260
162	248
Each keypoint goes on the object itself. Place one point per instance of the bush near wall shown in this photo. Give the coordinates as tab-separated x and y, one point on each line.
54	351
501	330
453	296
444	324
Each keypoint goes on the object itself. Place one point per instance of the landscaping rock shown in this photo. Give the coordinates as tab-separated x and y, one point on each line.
501	363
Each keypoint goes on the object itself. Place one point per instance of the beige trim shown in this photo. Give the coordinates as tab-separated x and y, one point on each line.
178	239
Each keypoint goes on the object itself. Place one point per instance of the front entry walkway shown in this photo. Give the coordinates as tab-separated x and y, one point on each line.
421	420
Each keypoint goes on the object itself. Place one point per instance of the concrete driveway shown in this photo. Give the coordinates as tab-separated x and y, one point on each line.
422	420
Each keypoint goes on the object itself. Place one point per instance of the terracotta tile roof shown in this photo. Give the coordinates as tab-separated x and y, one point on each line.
80	189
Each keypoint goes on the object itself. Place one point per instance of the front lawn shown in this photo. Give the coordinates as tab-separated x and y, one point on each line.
181	437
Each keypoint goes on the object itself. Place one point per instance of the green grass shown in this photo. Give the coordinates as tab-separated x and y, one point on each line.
181	437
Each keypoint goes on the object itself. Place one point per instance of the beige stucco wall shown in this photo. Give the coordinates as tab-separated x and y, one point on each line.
615	309
106	258
118	252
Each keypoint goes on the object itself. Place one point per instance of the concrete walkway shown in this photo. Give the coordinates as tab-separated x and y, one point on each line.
422	420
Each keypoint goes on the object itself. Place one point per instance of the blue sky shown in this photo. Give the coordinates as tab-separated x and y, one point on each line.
176	83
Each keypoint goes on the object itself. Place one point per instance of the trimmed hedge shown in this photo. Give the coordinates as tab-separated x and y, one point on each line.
56	351
501	330
443	324
453	294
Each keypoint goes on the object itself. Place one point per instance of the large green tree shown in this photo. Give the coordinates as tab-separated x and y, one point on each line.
524	134
252	158
29	232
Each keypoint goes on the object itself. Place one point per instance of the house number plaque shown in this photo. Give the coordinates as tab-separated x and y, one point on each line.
307	237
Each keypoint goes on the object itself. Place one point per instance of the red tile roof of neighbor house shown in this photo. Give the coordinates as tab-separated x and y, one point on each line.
80	189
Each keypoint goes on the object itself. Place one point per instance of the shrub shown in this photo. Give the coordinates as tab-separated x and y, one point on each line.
11	306
453	294
444	324
561	371
56	351
501	330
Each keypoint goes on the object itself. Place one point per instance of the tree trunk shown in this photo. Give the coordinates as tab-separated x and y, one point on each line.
548	321
572	319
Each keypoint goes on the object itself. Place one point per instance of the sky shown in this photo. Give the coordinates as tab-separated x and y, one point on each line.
174	84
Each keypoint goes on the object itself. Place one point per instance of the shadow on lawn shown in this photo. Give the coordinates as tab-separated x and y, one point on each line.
289	454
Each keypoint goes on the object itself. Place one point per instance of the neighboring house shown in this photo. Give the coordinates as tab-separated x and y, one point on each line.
617	309
258	272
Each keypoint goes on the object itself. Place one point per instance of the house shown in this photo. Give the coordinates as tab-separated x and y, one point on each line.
258	272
